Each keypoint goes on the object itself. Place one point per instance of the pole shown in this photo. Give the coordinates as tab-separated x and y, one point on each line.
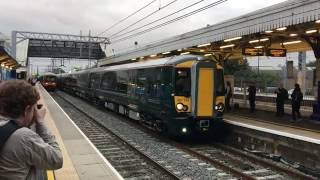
285	76
258	65
89	57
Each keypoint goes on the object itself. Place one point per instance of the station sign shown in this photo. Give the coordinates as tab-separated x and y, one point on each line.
277	52
252	51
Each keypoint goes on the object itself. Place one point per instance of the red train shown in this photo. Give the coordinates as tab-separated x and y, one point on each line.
48	81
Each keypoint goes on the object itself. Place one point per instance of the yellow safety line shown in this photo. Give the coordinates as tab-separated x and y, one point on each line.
50	175
279	124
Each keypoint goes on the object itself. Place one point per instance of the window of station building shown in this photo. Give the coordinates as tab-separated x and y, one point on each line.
109	81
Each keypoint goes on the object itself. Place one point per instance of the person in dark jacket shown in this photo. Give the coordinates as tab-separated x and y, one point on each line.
296	98
282	95
228	95
252	97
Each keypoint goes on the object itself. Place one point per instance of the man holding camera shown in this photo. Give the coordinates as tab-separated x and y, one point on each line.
23	151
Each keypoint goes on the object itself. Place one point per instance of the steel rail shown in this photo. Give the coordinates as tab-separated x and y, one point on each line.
169	173
254	159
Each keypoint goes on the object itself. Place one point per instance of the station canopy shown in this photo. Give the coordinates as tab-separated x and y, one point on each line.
6	60
285	27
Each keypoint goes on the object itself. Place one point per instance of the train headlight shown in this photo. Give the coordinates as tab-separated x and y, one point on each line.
219	107
184	130
180	106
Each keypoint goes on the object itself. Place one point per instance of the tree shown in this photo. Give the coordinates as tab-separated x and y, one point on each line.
244	72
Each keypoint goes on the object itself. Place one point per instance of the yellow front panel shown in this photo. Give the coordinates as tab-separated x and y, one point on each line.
187	64
205	93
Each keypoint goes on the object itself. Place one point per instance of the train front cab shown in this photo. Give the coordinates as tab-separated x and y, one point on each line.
200	110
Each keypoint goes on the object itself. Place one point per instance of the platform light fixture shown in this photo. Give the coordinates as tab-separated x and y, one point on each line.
2	65
293	35
185	53
281	29
179	50
141	57
311	31
227	46
254	41
258	47
233	39
291	42
318	21
269	31
259	40
7	67
153	55
264	39
207	55
203	45
133	59
166	52
201	50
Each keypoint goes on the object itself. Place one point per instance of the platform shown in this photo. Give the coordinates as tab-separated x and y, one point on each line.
81	160
264	119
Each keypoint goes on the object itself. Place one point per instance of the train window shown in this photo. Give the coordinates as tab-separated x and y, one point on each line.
122	81
183	82
154	82
109	81
219	82
142	83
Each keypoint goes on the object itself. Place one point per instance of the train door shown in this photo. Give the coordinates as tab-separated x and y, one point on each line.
202	91
94	84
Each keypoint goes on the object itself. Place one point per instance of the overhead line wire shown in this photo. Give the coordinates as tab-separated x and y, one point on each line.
127	27
120	21
172	20
160	18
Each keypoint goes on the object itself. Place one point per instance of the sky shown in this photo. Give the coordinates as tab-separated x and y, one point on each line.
73	16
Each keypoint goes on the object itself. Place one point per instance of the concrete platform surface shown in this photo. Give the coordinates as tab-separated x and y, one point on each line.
81	159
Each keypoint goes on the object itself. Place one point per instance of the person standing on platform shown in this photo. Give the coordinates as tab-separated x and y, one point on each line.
252	97
282	95
228	96
23	152
296	98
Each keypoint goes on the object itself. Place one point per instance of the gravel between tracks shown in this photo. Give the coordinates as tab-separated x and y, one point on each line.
174	159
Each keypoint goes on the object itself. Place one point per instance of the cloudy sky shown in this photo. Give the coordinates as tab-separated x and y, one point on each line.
73	16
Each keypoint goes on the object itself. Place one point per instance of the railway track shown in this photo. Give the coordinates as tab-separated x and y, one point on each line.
218	162
127	159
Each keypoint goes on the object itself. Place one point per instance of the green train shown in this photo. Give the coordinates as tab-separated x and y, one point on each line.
179	96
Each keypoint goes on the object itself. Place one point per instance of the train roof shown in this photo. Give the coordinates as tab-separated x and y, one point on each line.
48	74
169	61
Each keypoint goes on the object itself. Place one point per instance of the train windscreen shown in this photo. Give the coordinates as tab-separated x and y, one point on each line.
50	78
219	83
183	82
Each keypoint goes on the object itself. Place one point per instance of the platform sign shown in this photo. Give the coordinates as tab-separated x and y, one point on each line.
252	52
277	52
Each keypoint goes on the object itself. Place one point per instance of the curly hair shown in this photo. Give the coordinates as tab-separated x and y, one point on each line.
15	96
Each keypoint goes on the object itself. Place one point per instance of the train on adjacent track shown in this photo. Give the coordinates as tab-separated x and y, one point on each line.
180	95
48	81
